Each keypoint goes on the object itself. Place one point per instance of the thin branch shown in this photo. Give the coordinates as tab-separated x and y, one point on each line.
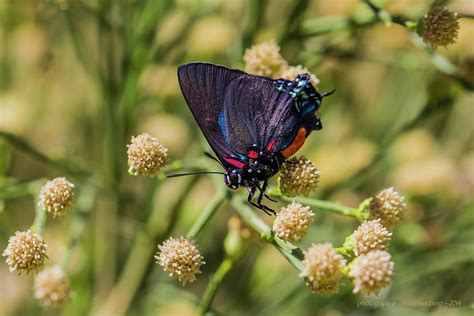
291	252
213	285
24	146
441	63
206	215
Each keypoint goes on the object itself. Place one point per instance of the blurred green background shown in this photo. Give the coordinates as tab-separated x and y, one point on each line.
78	78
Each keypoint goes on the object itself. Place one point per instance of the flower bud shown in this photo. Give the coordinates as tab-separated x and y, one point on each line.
25	252
180	258
292	222
387	205
439	28
56	196
298	176
322	268
51	287
324	288
236	243
370	236
146	156
264	59
371	272
292	72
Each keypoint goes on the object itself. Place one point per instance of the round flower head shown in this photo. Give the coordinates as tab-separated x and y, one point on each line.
324	288
146	156
292	222
51	287
264	59
292	72
56	196
440	27
298	176
180	258
388	205
25	252
371	272
370	236
322	264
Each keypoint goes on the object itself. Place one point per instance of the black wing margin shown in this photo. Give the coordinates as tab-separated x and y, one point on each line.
204	86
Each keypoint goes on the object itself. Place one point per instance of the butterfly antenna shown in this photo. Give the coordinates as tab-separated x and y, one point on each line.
213	158
328	93
175	175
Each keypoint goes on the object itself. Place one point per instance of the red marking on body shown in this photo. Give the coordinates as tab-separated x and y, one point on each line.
270	145
235	162
295	144
253	154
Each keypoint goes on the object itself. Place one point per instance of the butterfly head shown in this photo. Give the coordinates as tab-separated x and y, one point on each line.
233	178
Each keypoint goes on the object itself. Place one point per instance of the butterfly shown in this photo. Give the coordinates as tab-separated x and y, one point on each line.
252	123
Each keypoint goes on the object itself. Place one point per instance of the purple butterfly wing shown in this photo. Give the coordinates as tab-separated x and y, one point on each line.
256	113
204	86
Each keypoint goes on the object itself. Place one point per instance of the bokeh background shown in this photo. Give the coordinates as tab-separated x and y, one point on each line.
78	78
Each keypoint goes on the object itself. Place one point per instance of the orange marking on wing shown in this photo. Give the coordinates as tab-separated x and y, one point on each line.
295	144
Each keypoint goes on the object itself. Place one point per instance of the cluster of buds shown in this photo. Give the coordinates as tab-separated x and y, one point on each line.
146	156
180	258
371	272
25	252
371	235
322	268
388	206
293	222
439	27
264	59
298	176
51	287
56	196
371	268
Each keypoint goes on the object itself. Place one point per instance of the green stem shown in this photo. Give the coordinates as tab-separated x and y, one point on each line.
319	204
255	11
214	284
440	62
206	215
292	27
140	257
292	253
11	191
33	152
326	206
386	18
84	204
40	220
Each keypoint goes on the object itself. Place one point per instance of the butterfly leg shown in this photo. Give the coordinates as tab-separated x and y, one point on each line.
263	194
260	206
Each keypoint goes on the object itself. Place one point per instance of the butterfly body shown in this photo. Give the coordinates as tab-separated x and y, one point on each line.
252	123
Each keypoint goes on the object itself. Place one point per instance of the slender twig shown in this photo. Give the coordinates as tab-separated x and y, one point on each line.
441	63
332	207
12	191
139	260
40	219
293	23
24	146
255	11
388	19
206	215
84	203
213	285
292	253
326	206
